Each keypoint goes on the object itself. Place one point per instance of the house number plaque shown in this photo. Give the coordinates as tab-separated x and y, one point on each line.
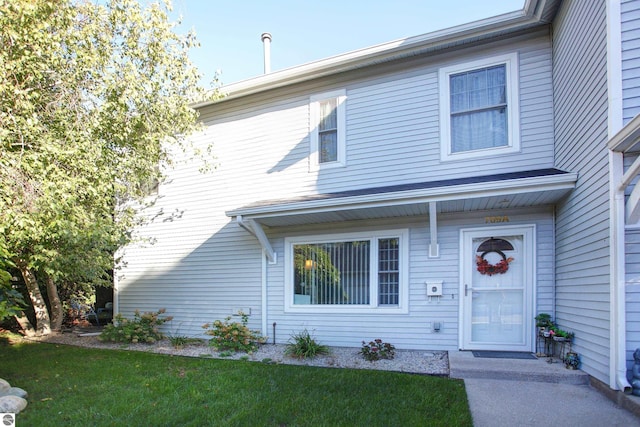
495	219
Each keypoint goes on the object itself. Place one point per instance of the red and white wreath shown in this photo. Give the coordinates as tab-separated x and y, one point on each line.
485	267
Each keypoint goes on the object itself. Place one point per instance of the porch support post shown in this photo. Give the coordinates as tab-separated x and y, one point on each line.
633	206
256	229
630	174
434	247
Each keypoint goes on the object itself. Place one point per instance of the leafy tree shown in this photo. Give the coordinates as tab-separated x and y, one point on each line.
11	301
93	96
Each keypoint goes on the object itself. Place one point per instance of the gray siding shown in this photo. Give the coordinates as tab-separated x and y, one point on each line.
630	21
410	330
393	133
392	129
192	261
582	223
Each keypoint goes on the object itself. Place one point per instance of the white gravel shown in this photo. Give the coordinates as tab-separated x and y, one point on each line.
412	361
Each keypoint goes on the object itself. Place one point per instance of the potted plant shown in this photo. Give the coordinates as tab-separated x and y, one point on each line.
572	360
543	321
560	335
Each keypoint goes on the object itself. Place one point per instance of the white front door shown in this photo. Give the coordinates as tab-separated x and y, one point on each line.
497	288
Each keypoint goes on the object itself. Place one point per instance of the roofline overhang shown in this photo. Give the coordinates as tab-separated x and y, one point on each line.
628	138
531	15
565	181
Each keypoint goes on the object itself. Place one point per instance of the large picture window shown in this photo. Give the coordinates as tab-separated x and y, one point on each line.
344	272
479	111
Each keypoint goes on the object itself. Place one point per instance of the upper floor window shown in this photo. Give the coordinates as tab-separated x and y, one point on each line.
479	112
327	112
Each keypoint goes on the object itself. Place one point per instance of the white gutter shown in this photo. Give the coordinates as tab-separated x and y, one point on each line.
530	15
618	318
626	140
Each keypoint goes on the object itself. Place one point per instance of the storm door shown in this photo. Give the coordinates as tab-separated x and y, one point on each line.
497	288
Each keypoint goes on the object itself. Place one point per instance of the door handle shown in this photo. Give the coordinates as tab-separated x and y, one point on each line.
466	288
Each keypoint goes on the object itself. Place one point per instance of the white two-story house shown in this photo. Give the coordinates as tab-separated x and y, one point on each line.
436	192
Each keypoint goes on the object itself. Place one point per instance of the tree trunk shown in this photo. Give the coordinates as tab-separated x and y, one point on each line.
54	304
43	323
27	327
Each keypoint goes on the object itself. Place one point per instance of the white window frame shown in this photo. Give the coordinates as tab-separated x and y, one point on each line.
513	107
372	307
314	113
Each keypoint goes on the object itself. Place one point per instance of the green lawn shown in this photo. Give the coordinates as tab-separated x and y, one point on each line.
79	386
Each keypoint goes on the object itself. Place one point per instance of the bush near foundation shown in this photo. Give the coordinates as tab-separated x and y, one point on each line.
143	328
236	336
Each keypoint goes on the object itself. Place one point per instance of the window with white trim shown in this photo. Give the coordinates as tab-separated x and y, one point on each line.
479	111
356	271
327	112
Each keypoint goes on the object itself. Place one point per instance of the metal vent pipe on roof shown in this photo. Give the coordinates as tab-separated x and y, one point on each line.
266	41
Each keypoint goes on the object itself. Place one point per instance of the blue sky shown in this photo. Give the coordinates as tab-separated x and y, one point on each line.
304	31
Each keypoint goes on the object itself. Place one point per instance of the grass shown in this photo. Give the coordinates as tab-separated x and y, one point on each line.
79	386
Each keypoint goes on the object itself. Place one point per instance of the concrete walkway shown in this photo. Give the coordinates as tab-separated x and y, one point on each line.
514	392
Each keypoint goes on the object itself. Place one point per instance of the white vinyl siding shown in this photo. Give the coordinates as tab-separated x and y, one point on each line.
630	11
479	109
392	130
393	127
582	225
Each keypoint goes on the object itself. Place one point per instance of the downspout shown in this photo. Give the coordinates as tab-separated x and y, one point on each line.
617	319
618	369
268	255
263	288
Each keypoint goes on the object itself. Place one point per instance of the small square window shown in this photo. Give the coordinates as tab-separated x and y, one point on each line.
479	108
327	133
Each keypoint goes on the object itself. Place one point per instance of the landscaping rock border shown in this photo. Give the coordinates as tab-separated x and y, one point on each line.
12	399
410	361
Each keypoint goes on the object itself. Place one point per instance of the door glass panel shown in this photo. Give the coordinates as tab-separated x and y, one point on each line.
498	293
497	316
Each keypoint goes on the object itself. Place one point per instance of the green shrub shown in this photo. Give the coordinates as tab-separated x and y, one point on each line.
303	346
377	350
236	336
141	329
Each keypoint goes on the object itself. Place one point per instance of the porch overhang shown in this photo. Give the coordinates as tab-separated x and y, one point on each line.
627	140
499	191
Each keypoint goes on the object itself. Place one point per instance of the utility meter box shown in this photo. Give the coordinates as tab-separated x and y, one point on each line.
434	289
